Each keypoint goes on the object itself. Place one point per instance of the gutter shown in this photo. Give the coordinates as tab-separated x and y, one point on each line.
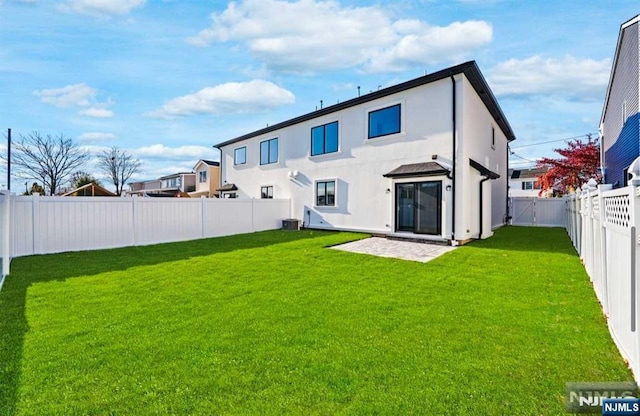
453	158
487	174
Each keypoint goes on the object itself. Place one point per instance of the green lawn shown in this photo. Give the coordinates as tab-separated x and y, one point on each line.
274	323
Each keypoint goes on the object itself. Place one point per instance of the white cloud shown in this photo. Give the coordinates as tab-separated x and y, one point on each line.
96	112
72	95
96	137
232	97
102	8
183	152
76	95
584	79
433	44
309	36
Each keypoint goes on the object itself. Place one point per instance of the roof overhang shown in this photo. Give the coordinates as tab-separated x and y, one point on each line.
417	169
228	187
483	171
469	69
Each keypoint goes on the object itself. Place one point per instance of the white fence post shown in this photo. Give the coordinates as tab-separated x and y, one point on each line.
6	237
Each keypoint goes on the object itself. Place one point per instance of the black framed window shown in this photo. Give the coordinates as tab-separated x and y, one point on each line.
326	194
324	139
240	156
266	192
269	151
385	121
202	176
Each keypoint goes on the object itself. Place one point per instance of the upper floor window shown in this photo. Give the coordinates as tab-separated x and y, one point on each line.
324	139
530	185
240	156
172	183
266	192
269	151
202	176
326	193
384	122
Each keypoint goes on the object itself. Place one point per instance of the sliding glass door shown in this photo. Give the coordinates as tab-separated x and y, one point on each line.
419	207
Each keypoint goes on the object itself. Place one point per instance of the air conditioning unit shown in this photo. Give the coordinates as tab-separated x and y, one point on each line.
291	224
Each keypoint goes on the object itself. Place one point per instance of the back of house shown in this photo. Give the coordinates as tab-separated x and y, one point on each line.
426	158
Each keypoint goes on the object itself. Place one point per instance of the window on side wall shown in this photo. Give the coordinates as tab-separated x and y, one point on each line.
269	151
202	176
326	193
240	156
266	192
385	121
493	137
324	139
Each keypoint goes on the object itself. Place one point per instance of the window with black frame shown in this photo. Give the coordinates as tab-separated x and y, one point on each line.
385	121
326	193
324	139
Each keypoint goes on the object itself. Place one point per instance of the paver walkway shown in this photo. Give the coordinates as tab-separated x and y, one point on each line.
405	250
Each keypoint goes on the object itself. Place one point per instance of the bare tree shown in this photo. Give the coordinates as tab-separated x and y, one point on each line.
118	165
48	159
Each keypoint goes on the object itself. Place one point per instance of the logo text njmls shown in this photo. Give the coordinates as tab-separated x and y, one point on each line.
589	397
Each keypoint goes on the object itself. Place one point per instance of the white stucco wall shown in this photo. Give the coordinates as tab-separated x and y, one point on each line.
476	144
365	199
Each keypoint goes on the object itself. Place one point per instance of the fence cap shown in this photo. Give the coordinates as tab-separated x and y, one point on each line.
634	170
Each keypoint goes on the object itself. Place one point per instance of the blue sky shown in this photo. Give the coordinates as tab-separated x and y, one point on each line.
166	80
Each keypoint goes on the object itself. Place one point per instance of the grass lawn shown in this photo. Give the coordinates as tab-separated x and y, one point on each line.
274	323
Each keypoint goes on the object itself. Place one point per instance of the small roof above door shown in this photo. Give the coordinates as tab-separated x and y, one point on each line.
417	169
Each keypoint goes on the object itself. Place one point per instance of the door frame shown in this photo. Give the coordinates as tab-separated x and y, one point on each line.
416	210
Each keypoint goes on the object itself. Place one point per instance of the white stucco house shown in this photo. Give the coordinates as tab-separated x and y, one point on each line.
426	158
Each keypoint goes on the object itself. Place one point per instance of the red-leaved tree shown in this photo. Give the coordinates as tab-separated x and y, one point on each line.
578	163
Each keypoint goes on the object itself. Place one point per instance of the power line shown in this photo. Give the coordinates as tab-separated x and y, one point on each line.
557	140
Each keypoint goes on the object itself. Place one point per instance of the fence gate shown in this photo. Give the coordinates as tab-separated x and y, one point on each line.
538	212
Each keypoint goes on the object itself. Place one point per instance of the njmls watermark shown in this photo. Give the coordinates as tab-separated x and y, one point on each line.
589	397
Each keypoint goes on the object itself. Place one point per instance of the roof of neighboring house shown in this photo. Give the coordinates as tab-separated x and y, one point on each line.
176	175
90	189
532	173
206	162
417	169
623	27
228	187
469	69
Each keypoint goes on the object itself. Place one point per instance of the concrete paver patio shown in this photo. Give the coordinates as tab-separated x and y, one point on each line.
405	250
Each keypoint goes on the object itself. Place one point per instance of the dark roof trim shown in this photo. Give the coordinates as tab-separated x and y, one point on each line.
228	187
417	169
175	175
210	162
469	69
483	171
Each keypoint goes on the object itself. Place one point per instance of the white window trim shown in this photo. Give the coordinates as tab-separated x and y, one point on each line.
403	114
315	195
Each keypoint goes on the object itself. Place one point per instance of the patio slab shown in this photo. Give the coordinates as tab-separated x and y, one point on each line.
404	250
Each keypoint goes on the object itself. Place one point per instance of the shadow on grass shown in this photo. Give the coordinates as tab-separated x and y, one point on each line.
26	271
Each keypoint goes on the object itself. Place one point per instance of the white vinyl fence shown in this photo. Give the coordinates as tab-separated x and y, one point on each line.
5	248
602	224
537	212
41	225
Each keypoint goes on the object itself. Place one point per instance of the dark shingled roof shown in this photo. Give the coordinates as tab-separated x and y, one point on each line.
417	169
211	162
469	69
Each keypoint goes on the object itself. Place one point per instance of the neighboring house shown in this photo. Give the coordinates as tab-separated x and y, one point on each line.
207	179
426	158
90	189
620	122
178	184
522	182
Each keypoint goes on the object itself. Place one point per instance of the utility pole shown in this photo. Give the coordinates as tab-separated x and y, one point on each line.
9	160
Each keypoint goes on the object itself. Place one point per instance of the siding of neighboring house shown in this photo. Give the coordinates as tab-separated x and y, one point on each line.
365	198
211	171
620	124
